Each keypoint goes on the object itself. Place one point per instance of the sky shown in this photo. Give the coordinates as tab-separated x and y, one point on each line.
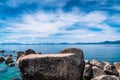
39	21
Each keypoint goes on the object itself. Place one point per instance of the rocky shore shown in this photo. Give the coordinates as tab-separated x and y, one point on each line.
69	64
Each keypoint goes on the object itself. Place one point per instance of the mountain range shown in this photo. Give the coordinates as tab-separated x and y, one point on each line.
65	43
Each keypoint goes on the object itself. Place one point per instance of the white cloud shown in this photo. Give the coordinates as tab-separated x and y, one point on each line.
115	18
42	26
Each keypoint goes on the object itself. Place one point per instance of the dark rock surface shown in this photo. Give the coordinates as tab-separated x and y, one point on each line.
63	66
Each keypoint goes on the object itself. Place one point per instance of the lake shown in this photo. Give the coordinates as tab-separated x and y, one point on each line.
107	52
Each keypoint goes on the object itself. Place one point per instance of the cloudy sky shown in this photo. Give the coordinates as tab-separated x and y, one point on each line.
37	21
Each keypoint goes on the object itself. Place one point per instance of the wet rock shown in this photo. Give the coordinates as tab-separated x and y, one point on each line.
1	59
2	51
29	51
8	60
105	77
117	66
87	72
11	64
87	62
97	71
51	66
110	69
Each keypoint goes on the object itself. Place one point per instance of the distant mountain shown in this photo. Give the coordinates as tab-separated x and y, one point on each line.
63	43
111	42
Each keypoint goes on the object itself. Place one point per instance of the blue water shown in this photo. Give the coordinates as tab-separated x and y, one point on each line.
108	52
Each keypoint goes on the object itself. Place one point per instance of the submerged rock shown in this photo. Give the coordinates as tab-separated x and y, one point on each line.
105	77
11	64
3	69
52	66
15	78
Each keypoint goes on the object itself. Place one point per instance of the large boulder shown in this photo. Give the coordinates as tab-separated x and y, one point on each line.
87	71
51	66
105	77
110	69
97	71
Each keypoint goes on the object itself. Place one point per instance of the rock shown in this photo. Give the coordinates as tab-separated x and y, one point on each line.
117	66
39	53
1	59
97	71
98	64
8	60
51	66
29	51
3	69
19	53
8	57
94	62
87	62
11	64
102	64
15	78
110	69
77	51
105	77
2	51
87	72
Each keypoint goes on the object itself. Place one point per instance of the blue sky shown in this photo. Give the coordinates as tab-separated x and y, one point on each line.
37	21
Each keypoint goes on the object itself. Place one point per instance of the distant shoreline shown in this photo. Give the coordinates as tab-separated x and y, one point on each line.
64	43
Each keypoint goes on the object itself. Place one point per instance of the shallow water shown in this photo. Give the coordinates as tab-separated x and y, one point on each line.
108	52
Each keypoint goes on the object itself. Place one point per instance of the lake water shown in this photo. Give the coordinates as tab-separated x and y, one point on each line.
107	52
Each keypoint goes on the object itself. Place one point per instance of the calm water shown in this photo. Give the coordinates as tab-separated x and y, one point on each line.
109	53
